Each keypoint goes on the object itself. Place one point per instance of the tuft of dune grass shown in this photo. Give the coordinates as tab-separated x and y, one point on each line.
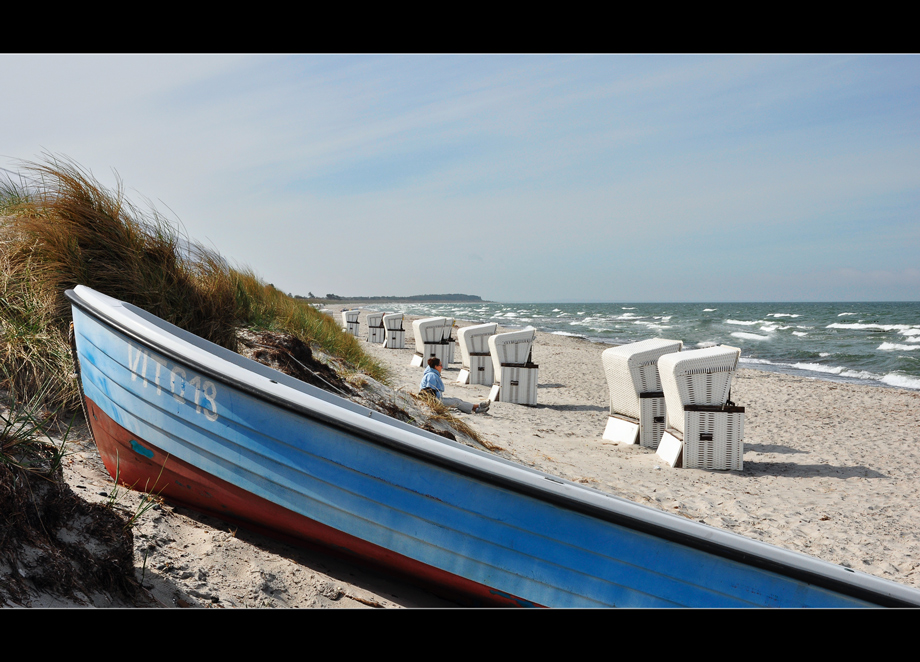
441	412
64	229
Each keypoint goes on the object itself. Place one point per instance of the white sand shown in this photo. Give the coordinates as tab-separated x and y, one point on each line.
830	469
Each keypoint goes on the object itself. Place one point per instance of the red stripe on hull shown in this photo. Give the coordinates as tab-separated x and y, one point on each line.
181	482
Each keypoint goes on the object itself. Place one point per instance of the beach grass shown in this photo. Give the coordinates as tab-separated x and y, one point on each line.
61	228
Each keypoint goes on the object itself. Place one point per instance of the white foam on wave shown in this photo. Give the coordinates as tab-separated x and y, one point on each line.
891	379
768	327
557	310
902	381
879	327
742	322
817	367
891	346
823	354
838	370
800	333
910	332
706	343
842	314
782	315
625	308
709	310
749	336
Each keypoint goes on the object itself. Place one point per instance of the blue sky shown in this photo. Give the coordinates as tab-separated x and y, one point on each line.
515	177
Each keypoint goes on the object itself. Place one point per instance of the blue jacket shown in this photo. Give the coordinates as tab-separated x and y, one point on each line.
431	379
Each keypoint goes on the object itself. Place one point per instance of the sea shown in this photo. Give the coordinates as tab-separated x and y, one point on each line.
861	343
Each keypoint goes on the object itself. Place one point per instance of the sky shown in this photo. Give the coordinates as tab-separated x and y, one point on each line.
518	178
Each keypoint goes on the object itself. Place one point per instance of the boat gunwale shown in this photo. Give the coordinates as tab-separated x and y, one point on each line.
553	489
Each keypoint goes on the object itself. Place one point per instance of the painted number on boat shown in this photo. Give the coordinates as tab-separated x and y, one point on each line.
141	364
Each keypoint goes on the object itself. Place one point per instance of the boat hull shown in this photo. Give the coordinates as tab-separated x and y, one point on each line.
140	465
175	415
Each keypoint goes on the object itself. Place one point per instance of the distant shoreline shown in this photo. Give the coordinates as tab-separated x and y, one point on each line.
360	300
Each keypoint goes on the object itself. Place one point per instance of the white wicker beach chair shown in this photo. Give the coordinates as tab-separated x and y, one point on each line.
395	333
705	430
376	333
429	336
637	407
350	320
515	375
474	350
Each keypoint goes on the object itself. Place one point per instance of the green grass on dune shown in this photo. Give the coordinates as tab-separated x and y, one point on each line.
65	229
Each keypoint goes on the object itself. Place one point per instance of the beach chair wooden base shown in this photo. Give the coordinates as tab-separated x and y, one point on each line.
669	450
621	431
352	328
479	372
517	385
376	334
395	339
712	438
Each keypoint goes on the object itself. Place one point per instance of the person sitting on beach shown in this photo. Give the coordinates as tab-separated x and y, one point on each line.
431	383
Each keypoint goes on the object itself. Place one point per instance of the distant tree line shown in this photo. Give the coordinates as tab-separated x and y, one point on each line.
421	298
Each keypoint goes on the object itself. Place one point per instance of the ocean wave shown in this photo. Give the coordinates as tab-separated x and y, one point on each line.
800	333
878	327
910	332
749	336
817	367
742	322
709	310
783	315
823	354
842	314
566	333
625	308
706	343
890	346
902	381
761	361
840	370
769	327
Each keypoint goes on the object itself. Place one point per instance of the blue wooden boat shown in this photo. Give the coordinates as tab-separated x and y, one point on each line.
174	414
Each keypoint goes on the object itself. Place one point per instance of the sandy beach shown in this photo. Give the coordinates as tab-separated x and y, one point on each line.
830	469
